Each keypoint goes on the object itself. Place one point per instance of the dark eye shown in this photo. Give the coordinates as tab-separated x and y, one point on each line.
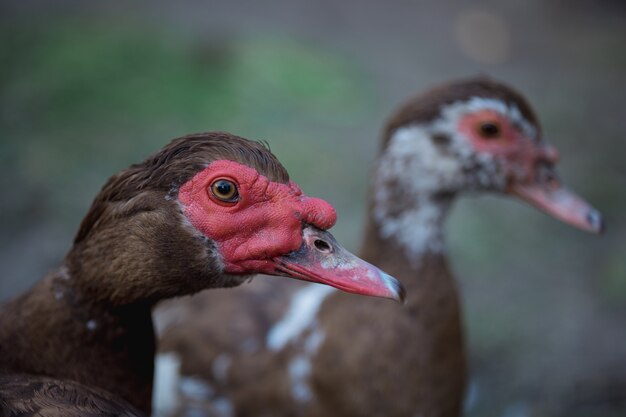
489	130
225	190
548	176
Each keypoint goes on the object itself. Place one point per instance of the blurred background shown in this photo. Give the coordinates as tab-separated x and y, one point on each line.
87	88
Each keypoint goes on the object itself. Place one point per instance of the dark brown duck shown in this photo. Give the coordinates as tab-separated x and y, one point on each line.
206	211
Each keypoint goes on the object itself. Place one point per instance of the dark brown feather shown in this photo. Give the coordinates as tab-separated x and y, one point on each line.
28	395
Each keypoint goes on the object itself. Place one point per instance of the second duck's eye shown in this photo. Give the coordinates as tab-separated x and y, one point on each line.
489	130
225	190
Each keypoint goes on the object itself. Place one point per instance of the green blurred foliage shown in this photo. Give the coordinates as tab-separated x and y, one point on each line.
79	101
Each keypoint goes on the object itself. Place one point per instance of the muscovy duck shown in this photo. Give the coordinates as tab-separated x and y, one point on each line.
206	211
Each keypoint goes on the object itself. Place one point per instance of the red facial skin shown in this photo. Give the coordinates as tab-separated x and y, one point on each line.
264	223
273	228
522	153
523	156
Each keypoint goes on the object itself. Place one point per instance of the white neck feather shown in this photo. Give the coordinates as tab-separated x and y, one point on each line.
410	177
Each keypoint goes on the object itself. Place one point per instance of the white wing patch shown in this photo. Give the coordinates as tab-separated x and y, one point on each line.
301	319
304	306
166	381
300	366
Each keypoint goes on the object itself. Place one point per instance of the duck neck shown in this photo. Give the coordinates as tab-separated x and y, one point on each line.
91	320
63	332
415	230
409	243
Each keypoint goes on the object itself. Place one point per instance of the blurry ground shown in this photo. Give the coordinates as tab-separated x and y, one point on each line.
87	88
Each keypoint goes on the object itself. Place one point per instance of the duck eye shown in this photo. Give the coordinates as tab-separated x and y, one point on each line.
489	130
225	190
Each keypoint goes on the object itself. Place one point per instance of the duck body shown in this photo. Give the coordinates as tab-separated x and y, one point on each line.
54	330
426	337
50	397
366	358
354	357
206	211
345	362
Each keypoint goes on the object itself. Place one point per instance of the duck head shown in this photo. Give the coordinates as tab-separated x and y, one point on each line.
477	135
209	210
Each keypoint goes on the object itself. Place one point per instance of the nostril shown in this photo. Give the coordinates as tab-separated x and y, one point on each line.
595	220
322	246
